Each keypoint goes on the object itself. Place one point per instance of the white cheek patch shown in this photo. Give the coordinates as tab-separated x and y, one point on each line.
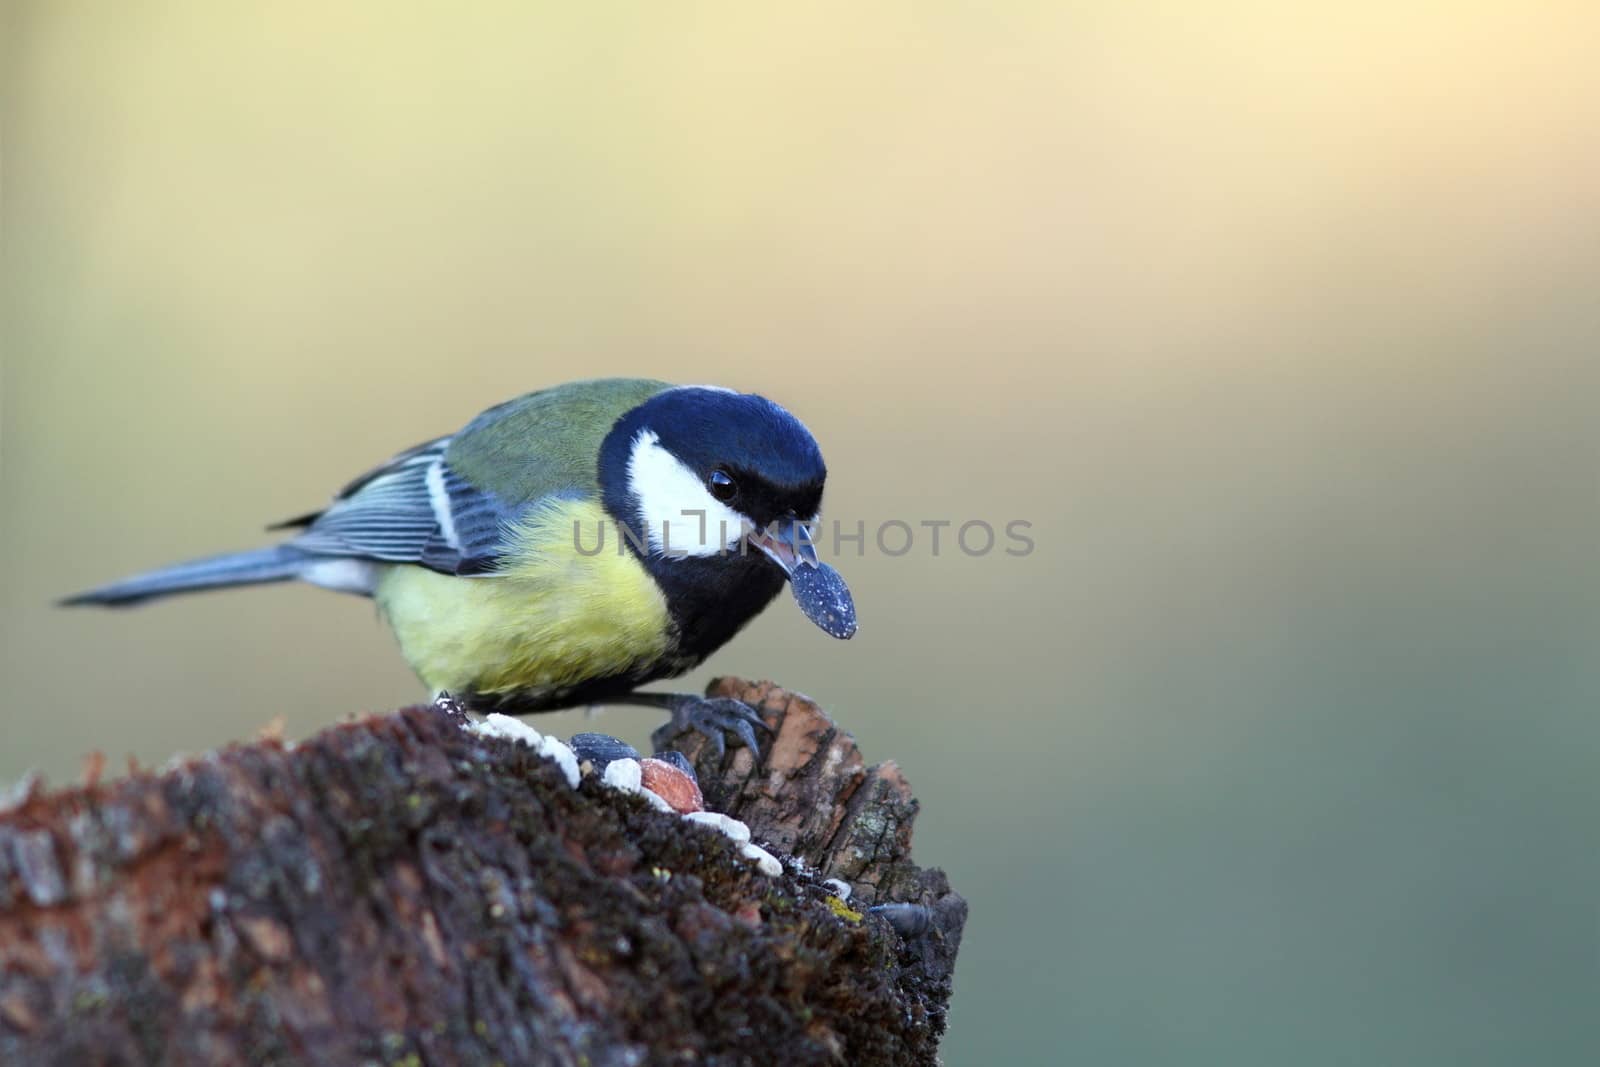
681	518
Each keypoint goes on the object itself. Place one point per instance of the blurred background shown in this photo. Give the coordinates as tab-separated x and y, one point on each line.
1278	322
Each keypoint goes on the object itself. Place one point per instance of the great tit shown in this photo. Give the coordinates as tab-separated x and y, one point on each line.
567	547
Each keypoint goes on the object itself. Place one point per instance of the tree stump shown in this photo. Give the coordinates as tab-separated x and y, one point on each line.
399	890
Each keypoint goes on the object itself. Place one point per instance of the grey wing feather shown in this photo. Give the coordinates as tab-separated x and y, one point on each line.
413	510
355	485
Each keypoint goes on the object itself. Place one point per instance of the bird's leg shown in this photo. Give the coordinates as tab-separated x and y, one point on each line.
711	716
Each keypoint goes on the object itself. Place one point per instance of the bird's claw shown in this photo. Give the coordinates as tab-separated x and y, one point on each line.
717	716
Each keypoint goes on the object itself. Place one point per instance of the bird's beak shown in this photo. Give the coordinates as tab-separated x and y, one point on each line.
817	587
787	543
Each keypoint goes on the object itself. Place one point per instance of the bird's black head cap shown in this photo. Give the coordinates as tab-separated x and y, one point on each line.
768	455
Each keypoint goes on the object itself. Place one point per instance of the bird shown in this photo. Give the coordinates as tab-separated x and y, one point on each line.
487	552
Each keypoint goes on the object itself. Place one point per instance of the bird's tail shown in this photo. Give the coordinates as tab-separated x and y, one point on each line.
278	563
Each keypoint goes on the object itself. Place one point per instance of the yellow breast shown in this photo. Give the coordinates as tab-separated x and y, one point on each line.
553	618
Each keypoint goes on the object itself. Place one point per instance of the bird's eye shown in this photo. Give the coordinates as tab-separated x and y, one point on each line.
722	486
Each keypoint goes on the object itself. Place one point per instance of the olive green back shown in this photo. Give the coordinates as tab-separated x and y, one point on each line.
548	441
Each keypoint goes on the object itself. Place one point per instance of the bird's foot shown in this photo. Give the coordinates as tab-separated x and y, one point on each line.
717	717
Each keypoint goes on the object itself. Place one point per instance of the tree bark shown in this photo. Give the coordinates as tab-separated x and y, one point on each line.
401	891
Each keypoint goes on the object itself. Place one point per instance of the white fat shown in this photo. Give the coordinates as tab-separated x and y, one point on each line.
511	729
555	749
439	497
681	517
508	728
765	861
735	829
623	774
658	802
628	776
342	575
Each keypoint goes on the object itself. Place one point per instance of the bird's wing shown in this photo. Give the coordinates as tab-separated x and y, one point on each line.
414	509
447	504
356	484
